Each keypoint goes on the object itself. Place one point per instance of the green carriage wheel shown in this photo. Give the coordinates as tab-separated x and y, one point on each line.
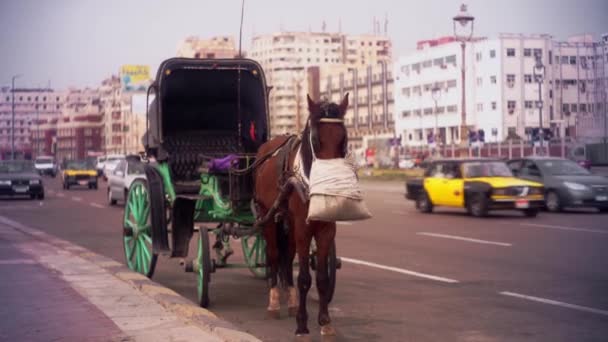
137	239
203	268
254	251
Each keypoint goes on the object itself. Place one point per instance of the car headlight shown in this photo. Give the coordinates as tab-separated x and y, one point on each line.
34	181
5	182
575	186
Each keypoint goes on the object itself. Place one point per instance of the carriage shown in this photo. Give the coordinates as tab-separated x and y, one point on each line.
204	127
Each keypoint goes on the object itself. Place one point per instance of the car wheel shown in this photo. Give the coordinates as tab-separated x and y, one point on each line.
478	205
603	210
531	212
553	202
111	201
423	203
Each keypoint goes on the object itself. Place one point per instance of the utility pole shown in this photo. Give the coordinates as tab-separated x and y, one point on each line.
539	73
13	116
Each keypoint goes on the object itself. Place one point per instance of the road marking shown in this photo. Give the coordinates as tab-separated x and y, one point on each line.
60	194
18	262
586	230
77	199
96	205
344	223
398	270
555	302
453	237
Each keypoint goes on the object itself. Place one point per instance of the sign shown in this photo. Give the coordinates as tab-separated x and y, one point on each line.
134	77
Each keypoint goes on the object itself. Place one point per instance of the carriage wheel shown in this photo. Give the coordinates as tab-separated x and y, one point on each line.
254	250
332	267
137	239
203	268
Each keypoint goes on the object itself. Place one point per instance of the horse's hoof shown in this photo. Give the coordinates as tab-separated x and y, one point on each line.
328	330
293	311
303	338
273	314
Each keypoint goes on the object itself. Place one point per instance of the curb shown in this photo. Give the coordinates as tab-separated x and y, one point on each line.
167	298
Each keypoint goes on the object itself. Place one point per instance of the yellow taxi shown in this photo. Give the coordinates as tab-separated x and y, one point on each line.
478	185
79	173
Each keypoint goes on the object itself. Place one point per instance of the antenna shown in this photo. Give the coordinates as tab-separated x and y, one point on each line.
241	29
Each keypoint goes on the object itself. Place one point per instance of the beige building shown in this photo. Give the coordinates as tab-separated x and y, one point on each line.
286	57
370	111
214	47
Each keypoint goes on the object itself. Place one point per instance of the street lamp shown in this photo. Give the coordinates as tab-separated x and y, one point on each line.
436	94
463	34
13	115
539	74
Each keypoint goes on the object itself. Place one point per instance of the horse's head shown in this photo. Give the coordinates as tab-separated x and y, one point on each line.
326	130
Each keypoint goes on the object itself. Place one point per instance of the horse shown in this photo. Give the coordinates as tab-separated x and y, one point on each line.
287	232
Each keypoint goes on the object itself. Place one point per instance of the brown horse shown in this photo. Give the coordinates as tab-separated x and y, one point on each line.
288	232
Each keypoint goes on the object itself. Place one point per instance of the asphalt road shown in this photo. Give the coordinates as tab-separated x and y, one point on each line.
405	277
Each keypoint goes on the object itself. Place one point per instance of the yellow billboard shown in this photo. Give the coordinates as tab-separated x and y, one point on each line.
135	77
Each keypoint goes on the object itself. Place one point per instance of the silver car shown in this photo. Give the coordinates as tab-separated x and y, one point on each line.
120	179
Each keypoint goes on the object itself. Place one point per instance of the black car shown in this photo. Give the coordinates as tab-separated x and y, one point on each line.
20	178
567	184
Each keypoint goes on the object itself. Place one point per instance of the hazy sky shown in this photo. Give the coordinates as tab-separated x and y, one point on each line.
79	42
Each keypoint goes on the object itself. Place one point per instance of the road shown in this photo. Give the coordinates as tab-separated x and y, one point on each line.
406	276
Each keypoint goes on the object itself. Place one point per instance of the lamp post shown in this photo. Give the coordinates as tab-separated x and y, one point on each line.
436	94
13	116
539	74
463	35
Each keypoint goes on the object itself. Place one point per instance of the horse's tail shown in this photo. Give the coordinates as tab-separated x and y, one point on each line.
283	249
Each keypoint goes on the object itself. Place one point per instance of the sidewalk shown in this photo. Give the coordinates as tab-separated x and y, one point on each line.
52	290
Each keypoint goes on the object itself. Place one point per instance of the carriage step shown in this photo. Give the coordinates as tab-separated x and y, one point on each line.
194	197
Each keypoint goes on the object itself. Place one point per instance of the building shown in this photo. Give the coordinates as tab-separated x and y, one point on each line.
370	110
80	128
286	57
501	90
214	47
32	106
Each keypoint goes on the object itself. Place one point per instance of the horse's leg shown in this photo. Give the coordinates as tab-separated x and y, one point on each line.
324	239
303	235
272	259
292	294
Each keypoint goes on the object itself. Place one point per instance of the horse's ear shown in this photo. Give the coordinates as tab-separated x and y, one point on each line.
343	105
313	107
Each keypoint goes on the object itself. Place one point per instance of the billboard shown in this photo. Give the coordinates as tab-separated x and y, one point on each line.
135	77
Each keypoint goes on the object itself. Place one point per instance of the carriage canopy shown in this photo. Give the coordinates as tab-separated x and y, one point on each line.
209	97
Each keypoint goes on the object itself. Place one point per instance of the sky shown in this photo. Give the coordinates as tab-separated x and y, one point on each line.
80	42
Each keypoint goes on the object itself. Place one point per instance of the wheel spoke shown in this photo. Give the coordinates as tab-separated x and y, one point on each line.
144	248
146	235
145	256
131	224
138	257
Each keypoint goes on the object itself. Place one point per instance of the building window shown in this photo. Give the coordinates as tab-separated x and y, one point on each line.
510	79
565	108
478	56
452	109
550	57
406	113
493	105
527	52
493	79
511	105
510	52
405	92
572	60
480	107
583	107
492	53
538	52
527	78
450	59
573	108
529	104
564	60
451	84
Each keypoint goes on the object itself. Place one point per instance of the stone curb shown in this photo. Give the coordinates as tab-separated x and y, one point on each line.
167	298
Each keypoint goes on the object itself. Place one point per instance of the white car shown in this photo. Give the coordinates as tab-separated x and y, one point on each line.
110	164
119	180
100	164
46	166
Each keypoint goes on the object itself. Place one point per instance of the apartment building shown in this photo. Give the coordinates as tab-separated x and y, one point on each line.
370	111
286	56
33	106
214	47
79	130
501	92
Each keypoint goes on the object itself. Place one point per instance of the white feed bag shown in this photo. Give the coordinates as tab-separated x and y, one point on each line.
334	192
